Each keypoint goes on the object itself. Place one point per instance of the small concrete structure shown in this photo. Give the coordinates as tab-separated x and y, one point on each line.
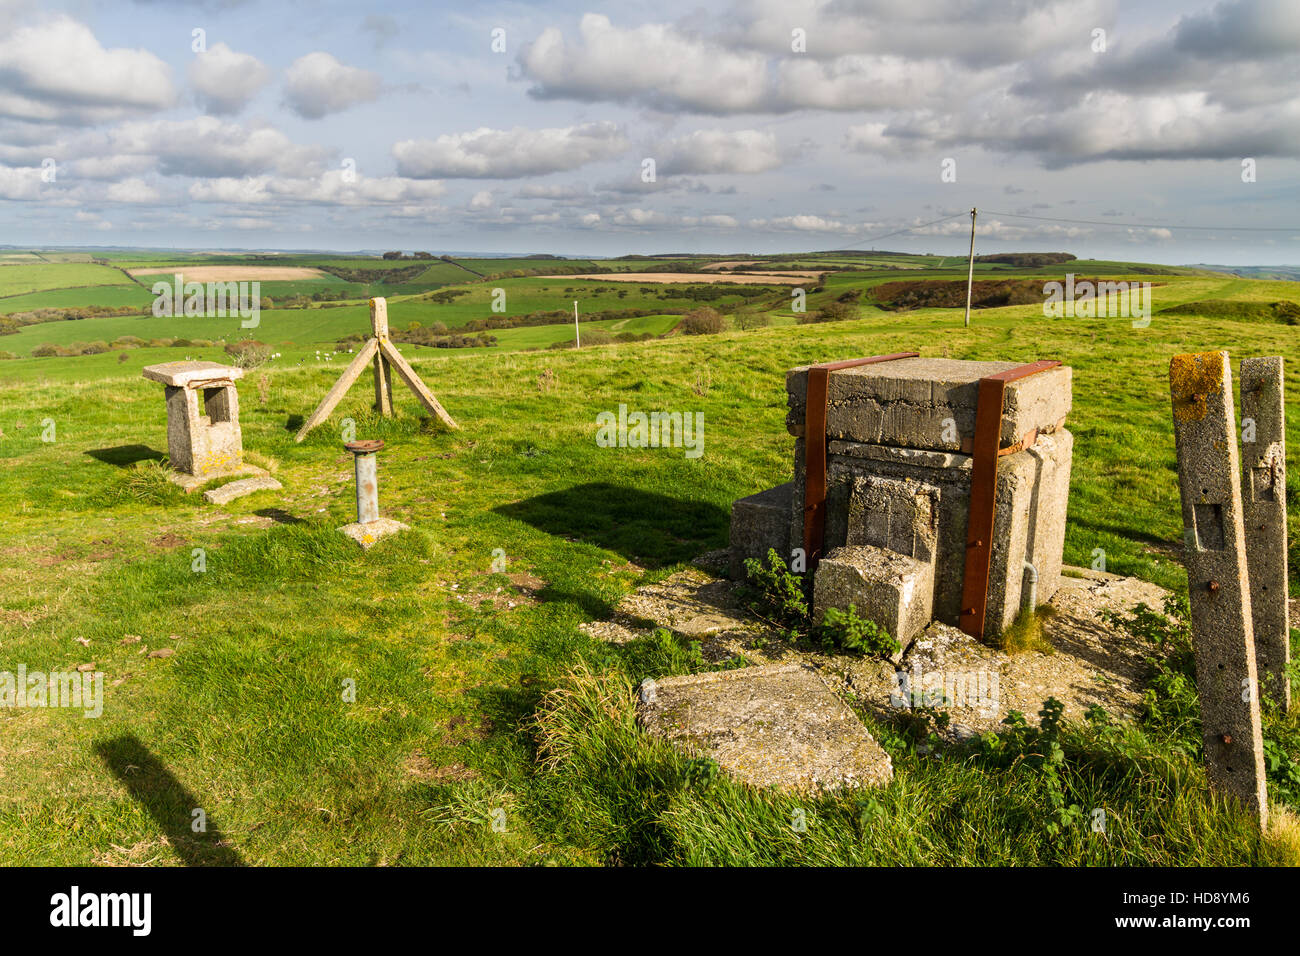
369	527
773	726
1263	462
203	437
899	468
1214	554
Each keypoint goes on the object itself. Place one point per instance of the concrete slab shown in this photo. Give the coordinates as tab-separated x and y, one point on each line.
178	374
238	489
927	403
191	483
772	726
369	533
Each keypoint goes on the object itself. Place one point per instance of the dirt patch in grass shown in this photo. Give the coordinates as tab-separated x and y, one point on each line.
419	766
167	541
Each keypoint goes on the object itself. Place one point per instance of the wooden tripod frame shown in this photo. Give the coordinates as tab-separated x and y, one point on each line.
387	358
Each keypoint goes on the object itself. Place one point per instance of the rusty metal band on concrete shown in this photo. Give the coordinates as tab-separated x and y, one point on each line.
983	491
815	401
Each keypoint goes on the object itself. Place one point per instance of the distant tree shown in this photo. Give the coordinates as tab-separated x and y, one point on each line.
392	255
424	255
701	321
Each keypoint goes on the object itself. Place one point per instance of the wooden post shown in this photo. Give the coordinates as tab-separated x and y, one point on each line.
1214	553
383	373
577	336
970	271
380	348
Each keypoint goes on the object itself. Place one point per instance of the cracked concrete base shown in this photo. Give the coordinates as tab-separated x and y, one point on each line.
773	726
1091	664
370	532
238	489
191	483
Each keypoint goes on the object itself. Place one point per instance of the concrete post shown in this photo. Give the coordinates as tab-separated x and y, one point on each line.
1215	557
1263	444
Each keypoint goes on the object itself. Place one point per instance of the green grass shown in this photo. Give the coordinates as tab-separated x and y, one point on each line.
104	295
464	705
23	278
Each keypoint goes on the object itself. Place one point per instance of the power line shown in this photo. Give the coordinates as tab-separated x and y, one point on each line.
1148	225
899	232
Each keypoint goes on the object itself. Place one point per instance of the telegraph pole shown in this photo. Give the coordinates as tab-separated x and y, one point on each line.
970	271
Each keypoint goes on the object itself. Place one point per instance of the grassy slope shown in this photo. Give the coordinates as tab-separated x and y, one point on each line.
23	278
248	715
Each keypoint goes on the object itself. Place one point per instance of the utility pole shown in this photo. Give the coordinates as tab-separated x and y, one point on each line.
970	271
577	336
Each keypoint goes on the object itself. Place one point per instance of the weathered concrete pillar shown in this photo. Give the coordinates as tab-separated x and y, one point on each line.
1215	557
1263	444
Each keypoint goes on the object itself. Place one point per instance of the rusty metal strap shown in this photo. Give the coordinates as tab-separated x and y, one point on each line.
814	495
983	491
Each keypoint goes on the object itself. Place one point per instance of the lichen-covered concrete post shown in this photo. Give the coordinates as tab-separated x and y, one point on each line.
1263	445
1215	557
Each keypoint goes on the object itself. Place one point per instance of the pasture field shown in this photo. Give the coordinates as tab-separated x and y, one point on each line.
475	690
25	277
104	295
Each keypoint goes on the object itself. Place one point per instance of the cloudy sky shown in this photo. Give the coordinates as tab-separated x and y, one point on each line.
603	128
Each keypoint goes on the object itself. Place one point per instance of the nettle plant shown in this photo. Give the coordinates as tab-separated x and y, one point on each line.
777	594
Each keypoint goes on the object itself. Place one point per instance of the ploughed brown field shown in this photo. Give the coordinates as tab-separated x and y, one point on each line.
232	273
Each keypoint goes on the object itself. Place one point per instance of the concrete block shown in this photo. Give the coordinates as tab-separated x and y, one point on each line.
898	514
773	726
238	489
1032	493
927	403
891	589
1214	554
1263	444
759	523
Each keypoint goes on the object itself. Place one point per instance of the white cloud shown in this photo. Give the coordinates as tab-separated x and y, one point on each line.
719	151
206	146
802	223
481	200
132	191
331	188
507	154
20	182
654	64
317	84
224	80
57	71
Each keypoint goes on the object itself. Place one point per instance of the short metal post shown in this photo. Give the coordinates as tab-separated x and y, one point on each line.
363	453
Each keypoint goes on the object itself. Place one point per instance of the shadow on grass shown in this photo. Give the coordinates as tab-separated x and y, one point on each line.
124	456
645	527
168	802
